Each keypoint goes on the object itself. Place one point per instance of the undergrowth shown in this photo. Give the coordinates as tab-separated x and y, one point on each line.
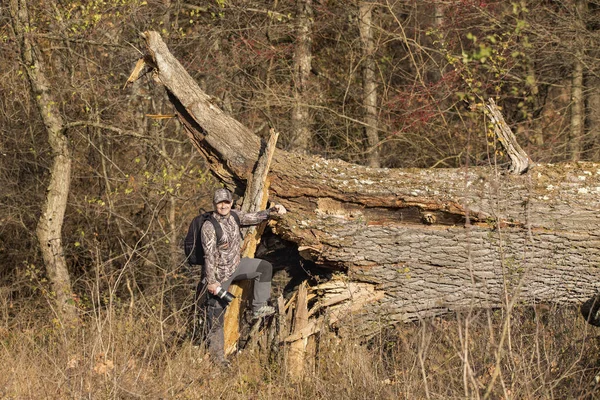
127	352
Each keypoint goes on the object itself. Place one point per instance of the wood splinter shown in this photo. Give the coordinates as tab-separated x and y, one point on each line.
519	161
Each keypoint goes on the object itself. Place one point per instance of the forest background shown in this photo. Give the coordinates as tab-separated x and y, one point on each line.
397	84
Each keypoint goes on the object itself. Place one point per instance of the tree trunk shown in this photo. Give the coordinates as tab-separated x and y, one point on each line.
593	117
49	228
368	82
301	135
577	99
423	242
577	113
439	22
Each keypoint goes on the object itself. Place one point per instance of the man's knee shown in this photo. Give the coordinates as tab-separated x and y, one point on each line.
266	270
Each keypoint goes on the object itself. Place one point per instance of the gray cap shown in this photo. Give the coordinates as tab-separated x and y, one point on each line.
222	195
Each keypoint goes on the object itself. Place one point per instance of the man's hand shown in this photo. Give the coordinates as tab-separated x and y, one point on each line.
212	288
279	209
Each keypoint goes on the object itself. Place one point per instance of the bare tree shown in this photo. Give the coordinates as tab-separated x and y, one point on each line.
302	65
49	228
577	97
369	84
577	109
592	107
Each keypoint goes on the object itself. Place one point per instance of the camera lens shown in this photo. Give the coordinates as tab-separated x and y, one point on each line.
225	295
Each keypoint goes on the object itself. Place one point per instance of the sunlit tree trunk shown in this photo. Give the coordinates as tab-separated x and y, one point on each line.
438	23
49	228
302	64
368	83
593	117
577	99
438	14
577	113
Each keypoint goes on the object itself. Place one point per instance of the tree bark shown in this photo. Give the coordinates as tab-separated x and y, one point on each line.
426	241
368	83
49	228
302	65
593	116
577	99
577	113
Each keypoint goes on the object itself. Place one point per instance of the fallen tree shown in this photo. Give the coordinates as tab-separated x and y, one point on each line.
410	243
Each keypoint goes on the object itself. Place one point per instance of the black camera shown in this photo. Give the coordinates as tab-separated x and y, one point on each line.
225	295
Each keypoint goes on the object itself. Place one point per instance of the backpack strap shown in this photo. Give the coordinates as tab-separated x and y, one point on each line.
217	226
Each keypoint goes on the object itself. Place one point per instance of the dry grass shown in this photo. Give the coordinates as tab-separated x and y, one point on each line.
128	353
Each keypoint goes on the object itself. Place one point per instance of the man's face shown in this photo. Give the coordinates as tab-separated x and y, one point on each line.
223	208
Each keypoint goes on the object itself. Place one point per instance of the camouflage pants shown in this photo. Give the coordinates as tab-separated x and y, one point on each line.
260	272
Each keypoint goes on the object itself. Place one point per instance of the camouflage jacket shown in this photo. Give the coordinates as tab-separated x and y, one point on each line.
221	259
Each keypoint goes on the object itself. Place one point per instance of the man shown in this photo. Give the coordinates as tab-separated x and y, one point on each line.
223	265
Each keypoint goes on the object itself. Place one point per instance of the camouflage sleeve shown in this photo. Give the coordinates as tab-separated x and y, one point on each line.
254	218
211	253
